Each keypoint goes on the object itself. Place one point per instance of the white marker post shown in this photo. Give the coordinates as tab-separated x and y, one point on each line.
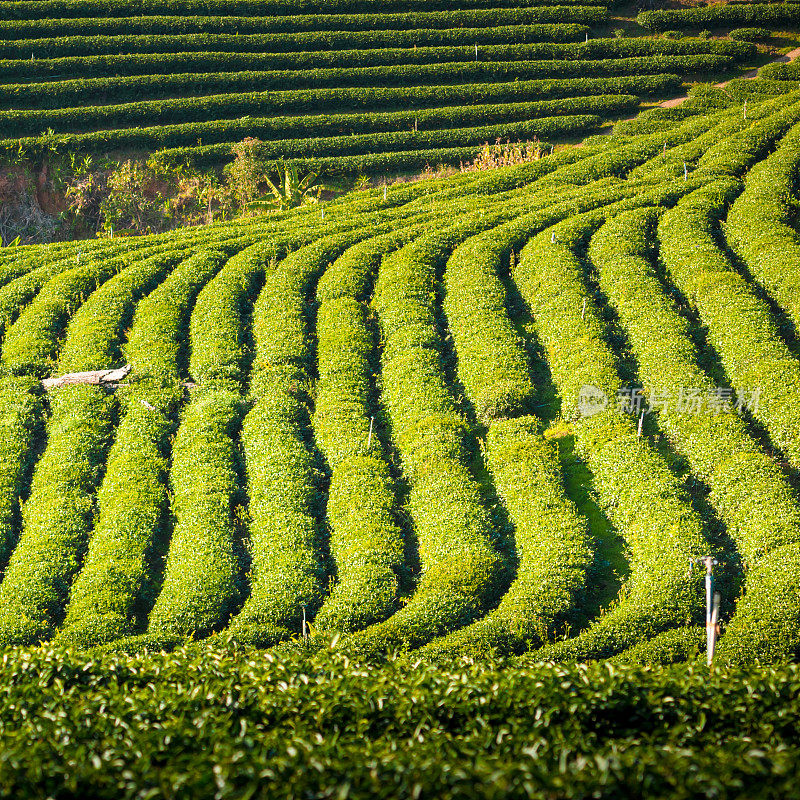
369	440
712	605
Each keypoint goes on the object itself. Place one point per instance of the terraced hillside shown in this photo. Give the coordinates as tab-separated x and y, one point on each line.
351	86
397	416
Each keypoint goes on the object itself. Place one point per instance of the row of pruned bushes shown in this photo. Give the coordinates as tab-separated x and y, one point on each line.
719	15
114	586
88	91
172	63
226	106
747	489
31	30
290	42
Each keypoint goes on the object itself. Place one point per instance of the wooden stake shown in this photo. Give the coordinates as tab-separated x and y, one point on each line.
583	313
641	420
369	440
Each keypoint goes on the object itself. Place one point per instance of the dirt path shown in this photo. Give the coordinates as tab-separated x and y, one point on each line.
676	101
753	73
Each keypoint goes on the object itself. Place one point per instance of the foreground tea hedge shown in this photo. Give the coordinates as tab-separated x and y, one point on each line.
120	727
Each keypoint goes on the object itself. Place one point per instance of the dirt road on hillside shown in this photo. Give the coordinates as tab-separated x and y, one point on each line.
753	73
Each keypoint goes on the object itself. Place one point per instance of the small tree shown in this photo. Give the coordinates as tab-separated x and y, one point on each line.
245	173
289	190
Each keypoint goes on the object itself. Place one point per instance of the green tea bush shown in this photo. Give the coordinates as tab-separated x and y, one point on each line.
719	15
229	24
132	500
21	410
750	34
750	494
659	594
740	326
366	542
759	225
228	105
291	42
285	541
598	729
200	584
169	63
58	515
60	95
462	571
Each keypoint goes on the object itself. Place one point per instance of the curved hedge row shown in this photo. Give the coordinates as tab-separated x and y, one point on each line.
87	91
751	496
740	326
132	500
187	25
36	273
176	62
318	125
461	570
288	567
58	515
718	15
367	545
21	411
644	499
759	225
290	42
781	72
334	146
43	9
189	109
200	585
550	538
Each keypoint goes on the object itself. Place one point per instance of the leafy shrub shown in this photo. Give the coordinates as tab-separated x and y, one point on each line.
749	34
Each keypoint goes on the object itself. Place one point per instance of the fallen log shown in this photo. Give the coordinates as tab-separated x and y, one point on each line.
101	377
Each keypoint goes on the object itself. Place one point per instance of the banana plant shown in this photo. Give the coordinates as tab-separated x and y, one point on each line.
290	190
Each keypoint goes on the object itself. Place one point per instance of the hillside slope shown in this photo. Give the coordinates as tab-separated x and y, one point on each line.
351	87
348	414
